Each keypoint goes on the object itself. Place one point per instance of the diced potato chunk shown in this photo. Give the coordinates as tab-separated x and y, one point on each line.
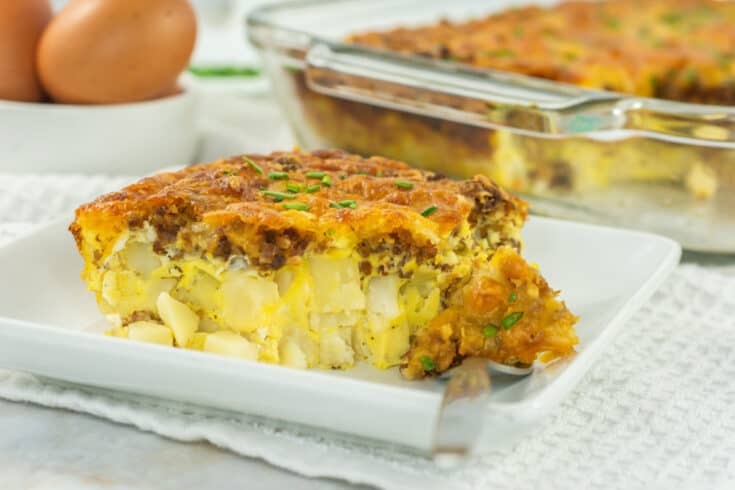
248	300
200	290
336	284
291	355
119	332
125	292
230	344
178	317
197	341
701	181
382	296
421	306
321	321
151	332
141	258
390	345
334	350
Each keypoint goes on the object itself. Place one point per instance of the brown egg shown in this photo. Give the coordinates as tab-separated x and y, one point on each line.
114	51
21	25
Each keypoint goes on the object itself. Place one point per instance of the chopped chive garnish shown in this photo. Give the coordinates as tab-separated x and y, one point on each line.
227	172
278	175
330	232
313	188
253	165
428	211
342	176
403	184
279	195
298	206
672	18
501	53
518	32
378	173
692	75
316	175
362	172
490	330
293	187
612	22
347	203
513	297
428	363
655	83
511	319
326	181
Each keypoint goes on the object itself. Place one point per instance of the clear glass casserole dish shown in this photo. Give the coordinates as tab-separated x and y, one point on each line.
572	152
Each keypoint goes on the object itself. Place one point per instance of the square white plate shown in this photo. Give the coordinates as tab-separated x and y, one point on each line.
49	325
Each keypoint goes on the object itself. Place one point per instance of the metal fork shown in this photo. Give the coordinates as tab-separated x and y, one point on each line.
463	407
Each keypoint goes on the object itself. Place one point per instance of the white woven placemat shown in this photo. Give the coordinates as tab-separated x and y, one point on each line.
656	412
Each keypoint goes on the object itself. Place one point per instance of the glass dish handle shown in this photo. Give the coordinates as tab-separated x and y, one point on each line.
499	100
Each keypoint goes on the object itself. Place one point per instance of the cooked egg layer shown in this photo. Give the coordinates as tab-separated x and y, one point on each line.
318	311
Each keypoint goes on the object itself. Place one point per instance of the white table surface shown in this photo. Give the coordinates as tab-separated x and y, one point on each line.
42	448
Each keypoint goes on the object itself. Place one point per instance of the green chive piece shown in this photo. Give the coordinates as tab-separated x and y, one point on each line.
293	187
279	195
330	232
326	181
224	71
692	75
342	176
655	84
253	165
316	175
518	32
428	363
298	206
429	211
511	319
313	188
612	22
672	18
490	330
378	173
513	297
403	184
227	172
278	175
347	203
501	53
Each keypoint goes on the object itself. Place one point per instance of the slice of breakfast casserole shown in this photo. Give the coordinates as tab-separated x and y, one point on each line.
321	259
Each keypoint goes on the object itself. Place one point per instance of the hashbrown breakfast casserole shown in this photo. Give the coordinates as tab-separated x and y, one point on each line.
321	259
679	50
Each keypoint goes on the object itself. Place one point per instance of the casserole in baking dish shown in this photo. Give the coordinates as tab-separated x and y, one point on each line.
632	143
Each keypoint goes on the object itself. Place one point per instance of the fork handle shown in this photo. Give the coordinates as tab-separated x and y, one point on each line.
462	412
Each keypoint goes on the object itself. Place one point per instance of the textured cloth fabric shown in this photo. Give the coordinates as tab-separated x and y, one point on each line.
656	411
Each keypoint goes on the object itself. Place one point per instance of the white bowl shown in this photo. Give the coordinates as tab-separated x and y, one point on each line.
129	139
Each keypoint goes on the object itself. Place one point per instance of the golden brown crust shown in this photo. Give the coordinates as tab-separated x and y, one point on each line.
673	49
506	312
230	197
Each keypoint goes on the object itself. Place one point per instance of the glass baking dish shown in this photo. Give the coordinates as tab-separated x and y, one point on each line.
573	153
